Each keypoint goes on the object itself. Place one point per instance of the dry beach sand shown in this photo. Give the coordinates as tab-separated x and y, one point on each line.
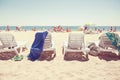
58	69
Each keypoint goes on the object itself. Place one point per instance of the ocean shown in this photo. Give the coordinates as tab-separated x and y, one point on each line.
72	28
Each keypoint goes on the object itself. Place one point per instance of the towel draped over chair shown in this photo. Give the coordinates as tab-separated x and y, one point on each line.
37	46
115	39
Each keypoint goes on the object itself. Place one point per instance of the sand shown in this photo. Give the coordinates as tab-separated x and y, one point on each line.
58	69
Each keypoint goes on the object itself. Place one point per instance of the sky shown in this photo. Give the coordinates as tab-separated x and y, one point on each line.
60	12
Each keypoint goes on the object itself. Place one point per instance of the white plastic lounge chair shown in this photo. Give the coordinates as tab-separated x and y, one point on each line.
104	49
9	44
106	45
49	51
75	48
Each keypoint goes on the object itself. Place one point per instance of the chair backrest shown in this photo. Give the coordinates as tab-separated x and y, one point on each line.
7	40
48	41
105	42
76	41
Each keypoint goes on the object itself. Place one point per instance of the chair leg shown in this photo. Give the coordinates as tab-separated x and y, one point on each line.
51	56
20	50
16	52
87	58
119	56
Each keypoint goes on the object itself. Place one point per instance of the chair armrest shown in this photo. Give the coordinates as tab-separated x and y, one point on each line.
53	44
65	44
86	50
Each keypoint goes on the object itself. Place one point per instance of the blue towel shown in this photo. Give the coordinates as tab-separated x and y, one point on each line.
37	46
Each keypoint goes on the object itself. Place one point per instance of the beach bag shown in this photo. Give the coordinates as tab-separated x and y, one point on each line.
94	50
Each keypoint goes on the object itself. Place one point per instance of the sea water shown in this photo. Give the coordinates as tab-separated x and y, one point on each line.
73	28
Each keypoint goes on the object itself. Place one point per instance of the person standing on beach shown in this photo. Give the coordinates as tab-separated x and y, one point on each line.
34	29
111	29
8	28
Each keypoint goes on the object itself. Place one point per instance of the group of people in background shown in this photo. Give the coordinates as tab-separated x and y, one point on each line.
85	29
54	29
61	29
18	28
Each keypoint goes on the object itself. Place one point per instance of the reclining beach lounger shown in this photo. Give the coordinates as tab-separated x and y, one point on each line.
75	48
10	47
49	51
42	47
108	47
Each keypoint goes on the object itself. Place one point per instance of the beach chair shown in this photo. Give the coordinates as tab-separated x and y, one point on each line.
74	49
106	46
10	47
42	47
49	51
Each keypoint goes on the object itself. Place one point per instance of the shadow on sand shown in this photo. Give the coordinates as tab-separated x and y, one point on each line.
108	56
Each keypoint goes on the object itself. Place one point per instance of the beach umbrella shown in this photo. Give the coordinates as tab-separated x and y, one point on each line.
90	24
